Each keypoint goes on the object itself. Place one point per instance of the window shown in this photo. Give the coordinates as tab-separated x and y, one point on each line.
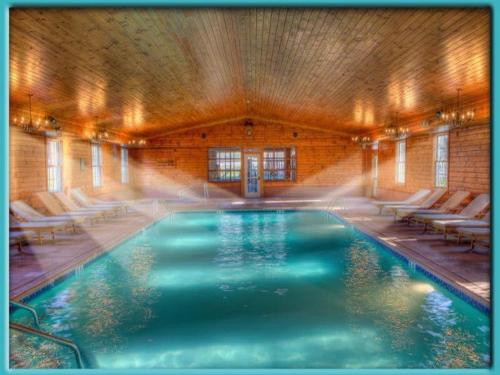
124	164
96	165
224	164
279	164
54	165
441	161
400	161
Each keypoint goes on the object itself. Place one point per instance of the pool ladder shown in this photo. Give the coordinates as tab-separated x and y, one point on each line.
337	203
44	335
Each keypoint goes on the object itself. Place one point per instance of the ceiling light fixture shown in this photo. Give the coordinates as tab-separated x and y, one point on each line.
454	117
98	135
136	142
394	130
30	126
363	141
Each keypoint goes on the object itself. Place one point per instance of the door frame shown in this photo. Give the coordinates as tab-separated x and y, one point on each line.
246	156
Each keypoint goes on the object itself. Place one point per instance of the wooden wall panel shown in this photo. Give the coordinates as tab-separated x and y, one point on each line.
469	163
28	166
470	160
323	160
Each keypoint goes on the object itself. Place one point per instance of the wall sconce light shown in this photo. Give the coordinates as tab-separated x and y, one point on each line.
248	127
53	129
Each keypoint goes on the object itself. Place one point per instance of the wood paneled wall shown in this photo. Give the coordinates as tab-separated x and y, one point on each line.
28	165
469	163
324	161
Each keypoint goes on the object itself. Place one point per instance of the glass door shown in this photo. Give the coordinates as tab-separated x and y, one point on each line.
252	178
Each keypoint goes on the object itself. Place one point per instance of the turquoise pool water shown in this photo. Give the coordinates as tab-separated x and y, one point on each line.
296	289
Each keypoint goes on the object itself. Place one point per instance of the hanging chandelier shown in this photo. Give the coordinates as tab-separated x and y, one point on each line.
361	140
98	135
29	126
47	125
456	116
136	142
395	131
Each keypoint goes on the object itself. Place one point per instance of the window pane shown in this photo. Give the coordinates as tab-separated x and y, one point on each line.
400	161
54	165
224	164
124	165
441	161
279	164
96	165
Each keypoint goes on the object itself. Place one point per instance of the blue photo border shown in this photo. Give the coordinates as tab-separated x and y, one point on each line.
4	174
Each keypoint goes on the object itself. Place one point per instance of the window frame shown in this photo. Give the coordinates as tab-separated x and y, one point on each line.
400	162
223	175
444	162
288	161
124	177
57	185
96	165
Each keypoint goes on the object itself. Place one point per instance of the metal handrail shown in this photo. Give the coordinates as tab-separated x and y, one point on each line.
28	308
205	191
62	341
337	200
181	193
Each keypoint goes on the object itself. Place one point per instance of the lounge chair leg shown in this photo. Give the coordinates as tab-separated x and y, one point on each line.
445	234
425	228
472	246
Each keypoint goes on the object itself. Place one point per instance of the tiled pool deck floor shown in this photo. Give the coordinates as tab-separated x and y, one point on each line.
38	264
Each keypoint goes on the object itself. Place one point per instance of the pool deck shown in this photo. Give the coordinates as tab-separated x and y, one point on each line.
38	265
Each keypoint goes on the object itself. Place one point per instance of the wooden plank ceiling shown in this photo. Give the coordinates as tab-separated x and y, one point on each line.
147	71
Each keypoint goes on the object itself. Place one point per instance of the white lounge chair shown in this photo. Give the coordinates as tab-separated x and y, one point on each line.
473	209
449	226
427	203
452	204
25	212
413	199
86	202
41	227
59	203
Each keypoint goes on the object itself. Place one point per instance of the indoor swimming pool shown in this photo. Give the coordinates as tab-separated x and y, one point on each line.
253	289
